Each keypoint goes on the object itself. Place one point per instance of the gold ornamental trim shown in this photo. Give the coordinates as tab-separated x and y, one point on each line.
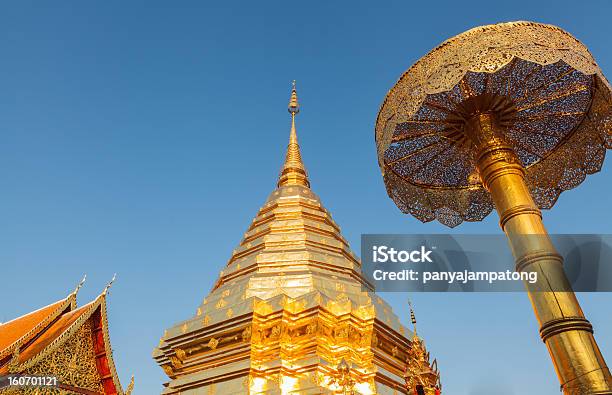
554	327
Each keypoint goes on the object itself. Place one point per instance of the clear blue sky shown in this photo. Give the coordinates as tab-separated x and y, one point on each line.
142	138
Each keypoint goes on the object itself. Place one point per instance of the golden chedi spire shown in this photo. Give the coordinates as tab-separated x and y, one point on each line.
293	171
290	304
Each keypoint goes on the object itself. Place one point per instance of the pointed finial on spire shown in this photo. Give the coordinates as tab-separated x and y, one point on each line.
294	106
412	317
293	172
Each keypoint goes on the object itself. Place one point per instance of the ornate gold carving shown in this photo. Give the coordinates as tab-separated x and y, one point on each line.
176	363
180	353
168	369
246	334
74	363
419	371
275	331
353	335
262	307
311	328
13	366
341	333
343	379
342	297
213	343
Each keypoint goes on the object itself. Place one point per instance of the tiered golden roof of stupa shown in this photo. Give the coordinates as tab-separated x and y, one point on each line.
63	341
290	305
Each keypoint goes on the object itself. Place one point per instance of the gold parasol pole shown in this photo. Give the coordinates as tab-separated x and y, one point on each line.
568	335
507	116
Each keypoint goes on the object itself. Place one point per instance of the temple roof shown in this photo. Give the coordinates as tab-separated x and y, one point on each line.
56	330
23	328
28	339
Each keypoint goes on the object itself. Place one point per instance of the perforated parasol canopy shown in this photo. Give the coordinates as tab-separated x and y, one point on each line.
554	102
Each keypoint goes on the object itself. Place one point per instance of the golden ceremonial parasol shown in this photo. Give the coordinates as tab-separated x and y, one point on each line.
505	116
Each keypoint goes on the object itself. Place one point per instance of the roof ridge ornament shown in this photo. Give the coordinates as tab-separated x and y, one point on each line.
293	171
80	285
109	284
130	387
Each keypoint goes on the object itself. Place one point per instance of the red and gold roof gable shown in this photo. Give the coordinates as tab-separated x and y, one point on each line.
64	341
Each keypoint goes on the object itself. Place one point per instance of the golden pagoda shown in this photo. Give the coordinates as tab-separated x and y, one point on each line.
65	342
291	313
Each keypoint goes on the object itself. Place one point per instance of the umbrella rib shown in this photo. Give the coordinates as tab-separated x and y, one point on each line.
544	85
425	134
568	93
520	144
461	143
412	153
526	79
442	166
425	121
466	89
397	139
555	114
531	130
510	71
451	136
438	107
428	161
